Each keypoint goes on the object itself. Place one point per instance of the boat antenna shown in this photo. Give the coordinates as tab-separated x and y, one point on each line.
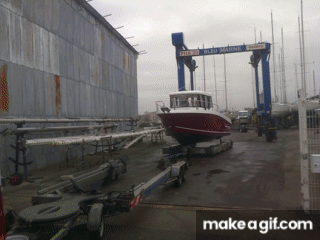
204	73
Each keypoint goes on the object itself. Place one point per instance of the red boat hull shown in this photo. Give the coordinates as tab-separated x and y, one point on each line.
191	128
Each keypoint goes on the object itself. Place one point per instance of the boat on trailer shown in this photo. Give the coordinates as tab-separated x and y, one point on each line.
193	118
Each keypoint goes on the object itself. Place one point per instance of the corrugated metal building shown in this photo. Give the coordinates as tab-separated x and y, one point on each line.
60	58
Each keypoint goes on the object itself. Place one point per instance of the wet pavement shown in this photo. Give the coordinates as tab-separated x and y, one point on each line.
252	174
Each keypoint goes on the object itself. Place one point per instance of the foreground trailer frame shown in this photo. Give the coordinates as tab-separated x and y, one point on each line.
55	213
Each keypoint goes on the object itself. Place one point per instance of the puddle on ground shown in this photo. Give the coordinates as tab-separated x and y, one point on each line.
211	172
217	171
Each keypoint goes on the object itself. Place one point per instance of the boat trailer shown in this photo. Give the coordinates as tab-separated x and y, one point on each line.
57	209
172	153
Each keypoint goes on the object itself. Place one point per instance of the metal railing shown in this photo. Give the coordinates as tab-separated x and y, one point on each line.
309	130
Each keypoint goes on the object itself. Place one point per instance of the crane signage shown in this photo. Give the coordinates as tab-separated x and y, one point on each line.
222	50
256	46
194	52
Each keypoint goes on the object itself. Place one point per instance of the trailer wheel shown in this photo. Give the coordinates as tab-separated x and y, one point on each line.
269	137
178	181
96	222
184	174
22	236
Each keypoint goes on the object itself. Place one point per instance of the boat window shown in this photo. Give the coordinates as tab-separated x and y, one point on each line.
204	102
243	114
209	102
198	101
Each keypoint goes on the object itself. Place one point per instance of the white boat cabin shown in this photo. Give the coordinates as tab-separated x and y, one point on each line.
192	99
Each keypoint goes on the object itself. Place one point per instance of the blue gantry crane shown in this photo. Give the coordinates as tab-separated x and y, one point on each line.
260	51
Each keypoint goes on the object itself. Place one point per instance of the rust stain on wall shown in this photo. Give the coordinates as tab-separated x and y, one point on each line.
58	95
4	91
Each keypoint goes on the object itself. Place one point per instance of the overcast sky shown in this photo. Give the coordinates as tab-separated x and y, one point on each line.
218	24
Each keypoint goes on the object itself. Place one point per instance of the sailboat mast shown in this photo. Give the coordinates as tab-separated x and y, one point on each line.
280	75
303	51
296	73
314	84
283	72
274	62
225	80
301	62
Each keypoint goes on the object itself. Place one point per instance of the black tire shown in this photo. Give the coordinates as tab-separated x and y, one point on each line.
184	174
259	132
178	181
95	223
269	137
24	236
98	235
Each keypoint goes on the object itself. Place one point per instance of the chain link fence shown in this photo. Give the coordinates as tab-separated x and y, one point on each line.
309	119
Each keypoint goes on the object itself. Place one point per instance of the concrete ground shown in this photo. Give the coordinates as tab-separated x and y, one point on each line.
254	174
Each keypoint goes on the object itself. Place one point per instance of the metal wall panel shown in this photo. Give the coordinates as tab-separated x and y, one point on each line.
39	13
69	58
98	43
71	97
56	16
28	10
88	100
83	98
4	34
37	47
28	92
86	66
75	29
14	5
93	105
69	22
15	73
63	58
63	21
14	38
64	97
39	103
90	37
48	17
76	99
49	94
54	53
82	28
76	68
61	64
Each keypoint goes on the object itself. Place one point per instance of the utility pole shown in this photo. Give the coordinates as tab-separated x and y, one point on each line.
215	78
225	80
283	72
303	50
204	73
